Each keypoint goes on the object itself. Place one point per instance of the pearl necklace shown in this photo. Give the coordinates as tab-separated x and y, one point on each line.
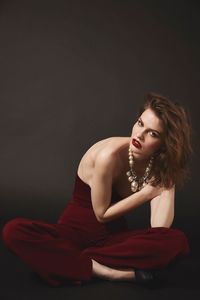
137	183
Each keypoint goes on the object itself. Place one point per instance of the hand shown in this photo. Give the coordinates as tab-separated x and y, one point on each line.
151	192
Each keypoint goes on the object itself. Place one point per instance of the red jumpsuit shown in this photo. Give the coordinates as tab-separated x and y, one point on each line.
61	253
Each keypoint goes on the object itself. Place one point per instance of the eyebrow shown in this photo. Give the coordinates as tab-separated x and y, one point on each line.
149	128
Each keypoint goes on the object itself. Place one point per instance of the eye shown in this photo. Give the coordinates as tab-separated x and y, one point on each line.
139	122
153	134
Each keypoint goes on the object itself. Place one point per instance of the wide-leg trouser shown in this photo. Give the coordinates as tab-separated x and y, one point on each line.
60	253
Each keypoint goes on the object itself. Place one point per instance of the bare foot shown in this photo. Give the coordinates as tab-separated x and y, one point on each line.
112	274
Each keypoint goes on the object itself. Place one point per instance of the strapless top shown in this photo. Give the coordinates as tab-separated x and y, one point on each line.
82	193
79	210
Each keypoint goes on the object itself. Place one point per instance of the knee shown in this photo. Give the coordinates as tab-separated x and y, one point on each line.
182	241
177	239
174	236
11	231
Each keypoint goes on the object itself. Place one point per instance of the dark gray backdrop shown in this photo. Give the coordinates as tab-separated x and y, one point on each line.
74	72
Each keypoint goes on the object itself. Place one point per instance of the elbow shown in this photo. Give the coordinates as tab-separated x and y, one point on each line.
159	223
101	219
99	216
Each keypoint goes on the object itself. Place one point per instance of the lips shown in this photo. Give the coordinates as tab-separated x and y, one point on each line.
136	143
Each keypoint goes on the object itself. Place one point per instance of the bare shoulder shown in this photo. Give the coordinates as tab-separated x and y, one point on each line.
103	154
106	150
106	155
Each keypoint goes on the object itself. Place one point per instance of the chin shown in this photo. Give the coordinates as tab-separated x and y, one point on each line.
139	155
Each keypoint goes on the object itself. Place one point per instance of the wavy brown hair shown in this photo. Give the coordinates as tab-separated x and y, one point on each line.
171	162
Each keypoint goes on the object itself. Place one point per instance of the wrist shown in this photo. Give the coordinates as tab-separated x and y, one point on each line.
143	193
140	196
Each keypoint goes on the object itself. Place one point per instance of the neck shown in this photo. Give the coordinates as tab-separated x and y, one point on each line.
139	165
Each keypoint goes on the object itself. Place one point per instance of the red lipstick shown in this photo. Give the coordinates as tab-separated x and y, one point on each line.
136	143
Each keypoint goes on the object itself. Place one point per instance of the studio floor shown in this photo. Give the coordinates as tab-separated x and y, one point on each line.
178	282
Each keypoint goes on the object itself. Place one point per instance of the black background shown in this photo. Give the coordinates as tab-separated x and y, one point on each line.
74	72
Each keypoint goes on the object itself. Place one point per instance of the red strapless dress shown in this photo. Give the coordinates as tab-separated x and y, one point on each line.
63	252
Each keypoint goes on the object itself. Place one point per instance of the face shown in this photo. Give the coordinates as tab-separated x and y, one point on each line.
146	136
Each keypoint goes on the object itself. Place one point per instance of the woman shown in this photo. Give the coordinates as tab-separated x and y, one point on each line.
115	176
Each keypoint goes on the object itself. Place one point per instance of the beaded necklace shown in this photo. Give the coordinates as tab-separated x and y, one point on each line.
137	183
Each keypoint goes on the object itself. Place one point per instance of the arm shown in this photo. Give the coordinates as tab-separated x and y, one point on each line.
162	209
101	189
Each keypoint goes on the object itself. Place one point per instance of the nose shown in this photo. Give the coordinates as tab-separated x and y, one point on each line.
140	135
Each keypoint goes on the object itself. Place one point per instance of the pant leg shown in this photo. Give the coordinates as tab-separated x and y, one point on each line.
52	250
152	248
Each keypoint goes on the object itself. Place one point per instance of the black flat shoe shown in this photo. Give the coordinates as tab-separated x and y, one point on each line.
144	277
